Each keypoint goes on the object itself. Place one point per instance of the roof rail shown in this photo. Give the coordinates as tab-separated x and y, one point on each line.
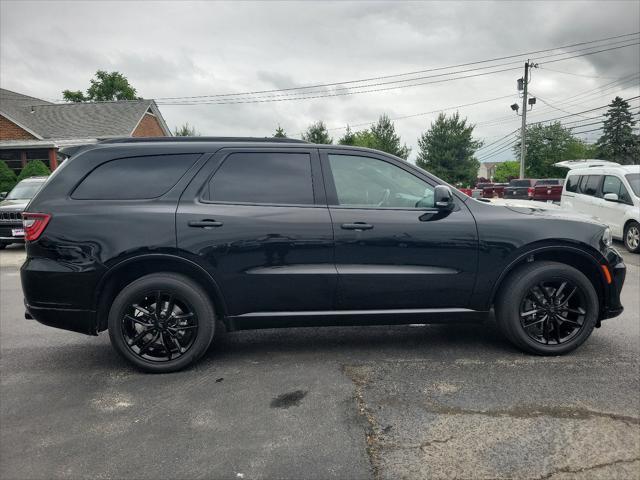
201	139
585	163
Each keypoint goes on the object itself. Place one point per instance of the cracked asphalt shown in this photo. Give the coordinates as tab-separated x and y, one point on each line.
438	401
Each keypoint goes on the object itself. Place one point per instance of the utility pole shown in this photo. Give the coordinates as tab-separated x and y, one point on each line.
523	131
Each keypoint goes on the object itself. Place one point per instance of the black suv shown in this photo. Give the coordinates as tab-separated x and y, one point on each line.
162	242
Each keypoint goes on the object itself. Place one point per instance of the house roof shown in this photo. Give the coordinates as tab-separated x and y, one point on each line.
46	120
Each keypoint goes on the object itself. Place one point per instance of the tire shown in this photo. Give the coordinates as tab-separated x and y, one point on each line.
164	339
3	246
632	236
526	297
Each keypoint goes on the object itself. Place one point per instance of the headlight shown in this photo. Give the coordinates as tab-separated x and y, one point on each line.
607	239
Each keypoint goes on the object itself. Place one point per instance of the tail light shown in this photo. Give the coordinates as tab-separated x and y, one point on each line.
530	191
34	224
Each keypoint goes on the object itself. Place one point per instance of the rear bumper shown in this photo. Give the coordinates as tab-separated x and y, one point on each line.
81	321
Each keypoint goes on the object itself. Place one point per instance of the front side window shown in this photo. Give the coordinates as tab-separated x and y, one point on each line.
264	178
369	182
613	184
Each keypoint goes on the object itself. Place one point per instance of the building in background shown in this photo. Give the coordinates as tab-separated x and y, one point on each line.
31	128
487	170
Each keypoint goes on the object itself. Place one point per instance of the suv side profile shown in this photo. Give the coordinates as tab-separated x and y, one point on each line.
611	194
163	242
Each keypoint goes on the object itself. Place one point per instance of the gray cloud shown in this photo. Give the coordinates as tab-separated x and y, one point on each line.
171	49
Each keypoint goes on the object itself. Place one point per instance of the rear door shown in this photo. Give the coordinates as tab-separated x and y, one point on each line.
257	220
394	250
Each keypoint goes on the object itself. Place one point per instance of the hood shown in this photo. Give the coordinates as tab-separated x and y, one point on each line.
557	213
17	205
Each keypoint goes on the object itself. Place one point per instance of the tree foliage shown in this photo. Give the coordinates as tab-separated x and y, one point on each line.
549	144
506	171
361	138
317	133
618	143
106	86
186	130
35	168
381	136
7	177
280	133
447	150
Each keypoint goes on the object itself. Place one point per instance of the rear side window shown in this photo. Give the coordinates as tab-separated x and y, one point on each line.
134	178
572	183
267	178
589	184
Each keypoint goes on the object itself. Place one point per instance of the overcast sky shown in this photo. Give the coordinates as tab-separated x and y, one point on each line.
174	48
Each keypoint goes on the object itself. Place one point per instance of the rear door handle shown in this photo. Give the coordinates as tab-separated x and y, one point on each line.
356	226
204	223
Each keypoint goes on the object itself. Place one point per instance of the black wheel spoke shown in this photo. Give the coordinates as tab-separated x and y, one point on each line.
558	292
536	322
556	328
531	312
566	300
579	311
160	327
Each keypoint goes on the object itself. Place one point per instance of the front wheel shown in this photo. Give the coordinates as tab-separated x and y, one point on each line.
547	308
632	237
161	322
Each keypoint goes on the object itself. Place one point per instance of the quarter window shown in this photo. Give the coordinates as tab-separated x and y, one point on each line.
134	178
266	178
369	182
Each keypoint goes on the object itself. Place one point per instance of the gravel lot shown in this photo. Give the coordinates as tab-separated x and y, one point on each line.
439	401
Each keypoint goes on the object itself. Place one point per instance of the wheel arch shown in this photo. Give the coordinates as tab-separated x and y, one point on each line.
125	272
583	259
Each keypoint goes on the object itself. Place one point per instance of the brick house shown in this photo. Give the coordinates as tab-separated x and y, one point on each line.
32	128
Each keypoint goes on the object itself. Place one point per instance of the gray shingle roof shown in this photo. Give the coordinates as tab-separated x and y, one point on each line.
75	120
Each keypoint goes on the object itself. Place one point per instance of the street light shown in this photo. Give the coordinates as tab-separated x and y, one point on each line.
515	107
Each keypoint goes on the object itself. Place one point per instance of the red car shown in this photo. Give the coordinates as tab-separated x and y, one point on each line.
548	190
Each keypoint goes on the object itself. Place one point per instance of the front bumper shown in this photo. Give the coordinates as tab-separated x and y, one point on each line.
612	306
6	233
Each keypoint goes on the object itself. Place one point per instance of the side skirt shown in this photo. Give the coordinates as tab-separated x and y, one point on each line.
257	320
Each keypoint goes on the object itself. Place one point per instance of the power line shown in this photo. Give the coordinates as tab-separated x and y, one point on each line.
574	74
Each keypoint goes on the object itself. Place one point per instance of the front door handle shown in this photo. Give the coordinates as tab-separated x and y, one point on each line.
356	226
205	223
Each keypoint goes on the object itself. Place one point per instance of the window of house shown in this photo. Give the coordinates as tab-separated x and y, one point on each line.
265	177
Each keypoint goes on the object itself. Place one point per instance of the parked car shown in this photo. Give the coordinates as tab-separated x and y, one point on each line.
609	193
520	188
495	190
163	242
11	207
479	190
548	190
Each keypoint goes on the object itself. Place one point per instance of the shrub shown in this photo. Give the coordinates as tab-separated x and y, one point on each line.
35	168
7	177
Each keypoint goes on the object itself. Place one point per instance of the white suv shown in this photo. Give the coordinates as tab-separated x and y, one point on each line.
608	192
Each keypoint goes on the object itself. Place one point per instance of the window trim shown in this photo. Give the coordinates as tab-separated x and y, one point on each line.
221	156
332	194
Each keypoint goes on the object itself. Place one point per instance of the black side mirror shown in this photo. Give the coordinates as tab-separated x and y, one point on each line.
443	198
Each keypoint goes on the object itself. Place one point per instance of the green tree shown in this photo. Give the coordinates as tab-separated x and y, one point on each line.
186	130
280	133
447	150
361	138
505	171
7	177
317	133
548	144
35	168
618	143
386	139
106	86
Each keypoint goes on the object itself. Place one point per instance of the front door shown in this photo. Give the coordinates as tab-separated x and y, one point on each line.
394	250
612	213
257	220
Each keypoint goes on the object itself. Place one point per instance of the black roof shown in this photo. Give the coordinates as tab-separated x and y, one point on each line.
202	139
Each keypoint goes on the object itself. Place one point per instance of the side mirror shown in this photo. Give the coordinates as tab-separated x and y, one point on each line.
443	198
3	195
611	197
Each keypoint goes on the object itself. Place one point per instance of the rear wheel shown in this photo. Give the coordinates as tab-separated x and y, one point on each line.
632	237
161	322
547	308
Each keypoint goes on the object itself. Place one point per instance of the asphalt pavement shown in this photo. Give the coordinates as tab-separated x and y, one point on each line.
437	401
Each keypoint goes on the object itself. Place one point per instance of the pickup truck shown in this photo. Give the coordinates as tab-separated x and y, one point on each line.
520	189
548	190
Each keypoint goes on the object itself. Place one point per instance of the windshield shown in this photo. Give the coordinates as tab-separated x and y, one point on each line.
520	183
634	181
24	191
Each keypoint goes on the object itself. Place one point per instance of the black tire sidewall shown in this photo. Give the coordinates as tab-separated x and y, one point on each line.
526	278
624	236
184	288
